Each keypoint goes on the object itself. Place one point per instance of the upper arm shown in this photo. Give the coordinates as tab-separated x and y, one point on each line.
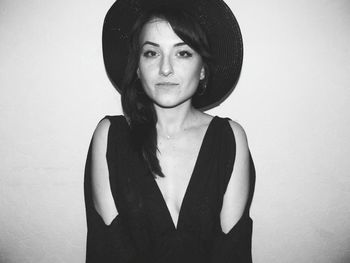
101	191
237	192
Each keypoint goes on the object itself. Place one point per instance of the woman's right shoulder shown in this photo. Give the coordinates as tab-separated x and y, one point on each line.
101	132
104	124
101	190
114	119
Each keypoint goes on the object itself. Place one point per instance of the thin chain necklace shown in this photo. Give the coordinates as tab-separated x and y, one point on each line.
171	137
174	136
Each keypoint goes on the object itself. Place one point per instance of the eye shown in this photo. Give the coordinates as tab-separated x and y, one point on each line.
184	54
149	53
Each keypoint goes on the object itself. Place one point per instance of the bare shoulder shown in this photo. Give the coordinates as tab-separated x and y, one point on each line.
240	135
236	195
101	131
101	190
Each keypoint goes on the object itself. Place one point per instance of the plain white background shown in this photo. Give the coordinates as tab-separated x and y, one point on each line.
293	99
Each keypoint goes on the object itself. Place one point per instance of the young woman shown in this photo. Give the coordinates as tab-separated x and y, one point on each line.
167	182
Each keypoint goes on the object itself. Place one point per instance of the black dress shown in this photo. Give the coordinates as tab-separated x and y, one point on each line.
143	231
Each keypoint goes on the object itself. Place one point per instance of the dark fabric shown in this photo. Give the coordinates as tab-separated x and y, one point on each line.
143	231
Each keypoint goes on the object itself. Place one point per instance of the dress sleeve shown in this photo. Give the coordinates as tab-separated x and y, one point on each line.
235	246
105	243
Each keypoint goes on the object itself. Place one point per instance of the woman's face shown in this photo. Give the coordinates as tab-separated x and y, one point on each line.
169	69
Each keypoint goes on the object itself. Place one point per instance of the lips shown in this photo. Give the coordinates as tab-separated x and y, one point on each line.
166	84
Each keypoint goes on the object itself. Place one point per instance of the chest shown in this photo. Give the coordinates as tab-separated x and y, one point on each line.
190	193
178	160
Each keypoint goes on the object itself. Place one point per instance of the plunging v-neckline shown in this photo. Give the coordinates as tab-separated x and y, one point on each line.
190	182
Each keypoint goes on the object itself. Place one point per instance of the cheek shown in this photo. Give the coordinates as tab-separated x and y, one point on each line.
195	70
145	71
142	74
146	80
194	73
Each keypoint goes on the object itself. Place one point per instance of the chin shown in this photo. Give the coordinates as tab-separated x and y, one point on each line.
171	103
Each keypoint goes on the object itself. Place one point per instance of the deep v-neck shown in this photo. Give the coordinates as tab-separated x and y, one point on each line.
190	182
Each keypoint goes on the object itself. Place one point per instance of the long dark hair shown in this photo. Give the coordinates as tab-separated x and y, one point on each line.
137	106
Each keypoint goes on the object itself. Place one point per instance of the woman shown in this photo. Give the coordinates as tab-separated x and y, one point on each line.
167	182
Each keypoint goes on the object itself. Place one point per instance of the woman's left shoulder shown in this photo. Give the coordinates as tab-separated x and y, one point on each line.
237	128
239	134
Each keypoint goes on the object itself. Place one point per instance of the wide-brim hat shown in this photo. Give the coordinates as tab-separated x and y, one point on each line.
216	19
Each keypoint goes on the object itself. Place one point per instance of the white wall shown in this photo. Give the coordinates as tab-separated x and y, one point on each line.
293	99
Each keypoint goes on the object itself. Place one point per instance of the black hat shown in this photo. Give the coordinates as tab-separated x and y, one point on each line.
216	19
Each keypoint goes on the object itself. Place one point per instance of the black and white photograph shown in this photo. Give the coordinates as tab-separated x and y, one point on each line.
174	131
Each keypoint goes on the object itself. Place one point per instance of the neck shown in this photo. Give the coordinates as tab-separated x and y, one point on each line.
175	120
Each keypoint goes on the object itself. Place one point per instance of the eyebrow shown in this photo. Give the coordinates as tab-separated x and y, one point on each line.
157	45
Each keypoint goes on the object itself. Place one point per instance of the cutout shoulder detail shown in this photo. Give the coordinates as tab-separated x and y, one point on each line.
237	191
101	190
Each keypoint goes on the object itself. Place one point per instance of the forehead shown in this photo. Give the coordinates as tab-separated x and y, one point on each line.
159	31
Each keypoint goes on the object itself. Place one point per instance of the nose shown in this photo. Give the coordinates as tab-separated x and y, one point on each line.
166	67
